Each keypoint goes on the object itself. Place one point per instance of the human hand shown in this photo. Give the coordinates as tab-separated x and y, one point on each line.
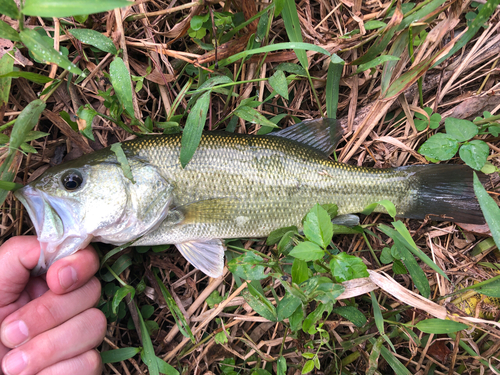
49	326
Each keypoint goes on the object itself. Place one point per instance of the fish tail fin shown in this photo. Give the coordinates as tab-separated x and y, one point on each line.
444	192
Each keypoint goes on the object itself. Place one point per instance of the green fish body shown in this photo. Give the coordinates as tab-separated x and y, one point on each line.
234	186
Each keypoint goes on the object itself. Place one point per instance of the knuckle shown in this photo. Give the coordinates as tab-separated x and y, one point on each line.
44	314
98	322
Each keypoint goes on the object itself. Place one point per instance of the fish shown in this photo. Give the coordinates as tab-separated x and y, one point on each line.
235	186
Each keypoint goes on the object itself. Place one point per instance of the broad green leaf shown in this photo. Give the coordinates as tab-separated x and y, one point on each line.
417	274
385	256
279	84
165	368
9	186
179	318
440	326
118	355
296	319
120	265
308	367
87	115
94	38
65	8
490	288
352	314
7	32
259	303
300	271
276	235
333	85
318	227
9	8
122	159
6	66
307	251
252	115
490	209
308	326
331	209
347	267
45	52
281	365
26	121
387	204
286	242
247	266
194	127
475	154
287	306
440	147
462	130
376	61
120	295
33	77
293	69
120	79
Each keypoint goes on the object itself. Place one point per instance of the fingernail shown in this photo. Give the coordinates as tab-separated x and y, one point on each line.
67	277
16	333
15	362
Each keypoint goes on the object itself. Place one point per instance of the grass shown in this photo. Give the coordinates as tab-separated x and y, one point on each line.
249	67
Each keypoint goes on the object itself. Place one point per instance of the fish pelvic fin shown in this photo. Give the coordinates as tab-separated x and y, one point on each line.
445	192
322	134
205	255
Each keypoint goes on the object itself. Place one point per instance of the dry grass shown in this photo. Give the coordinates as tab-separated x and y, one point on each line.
463	86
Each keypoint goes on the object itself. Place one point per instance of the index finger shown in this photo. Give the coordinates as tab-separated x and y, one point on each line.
18	256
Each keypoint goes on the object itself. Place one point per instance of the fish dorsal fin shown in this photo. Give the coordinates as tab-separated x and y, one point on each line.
322	134
205	255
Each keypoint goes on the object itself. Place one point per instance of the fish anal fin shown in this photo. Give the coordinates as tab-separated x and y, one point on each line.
205	255
322	134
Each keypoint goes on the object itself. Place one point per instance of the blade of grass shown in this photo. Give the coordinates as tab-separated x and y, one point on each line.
65	8
333	85
6	67
148	353
120	79
490	209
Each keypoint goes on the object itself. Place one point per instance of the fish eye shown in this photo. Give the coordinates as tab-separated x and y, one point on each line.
72	180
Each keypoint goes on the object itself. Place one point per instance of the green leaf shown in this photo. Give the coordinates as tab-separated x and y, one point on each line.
347	267
461	130
318	227
333	85
179	318
293	29
118	355
352	314
385	256
293	68
307	251
9	186
276	235
440	147
33	77
287	306
94	38
120	79
300	272
296	319
247	266
9	8
308	367
6	66
7	32
260	303
194	127
122	159
281	365
252	115
440	326
148	353
65	8
377	314
120	295
45	52
387	204
376	61
87	115
490	209
395	364
165	368
475	154
279	84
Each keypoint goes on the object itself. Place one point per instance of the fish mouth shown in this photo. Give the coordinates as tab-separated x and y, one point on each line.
56	224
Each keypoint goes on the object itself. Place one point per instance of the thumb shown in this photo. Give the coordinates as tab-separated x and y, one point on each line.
18	256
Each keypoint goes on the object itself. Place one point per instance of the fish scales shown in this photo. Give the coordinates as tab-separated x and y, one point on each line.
234	186
258	184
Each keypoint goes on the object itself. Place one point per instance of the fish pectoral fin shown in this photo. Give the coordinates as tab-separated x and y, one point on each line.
323	134
207	255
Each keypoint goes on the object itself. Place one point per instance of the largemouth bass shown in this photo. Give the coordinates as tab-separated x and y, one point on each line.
234	186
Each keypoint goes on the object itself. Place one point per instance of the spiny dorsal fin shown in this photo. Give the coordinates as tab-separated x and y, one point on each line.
322	134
